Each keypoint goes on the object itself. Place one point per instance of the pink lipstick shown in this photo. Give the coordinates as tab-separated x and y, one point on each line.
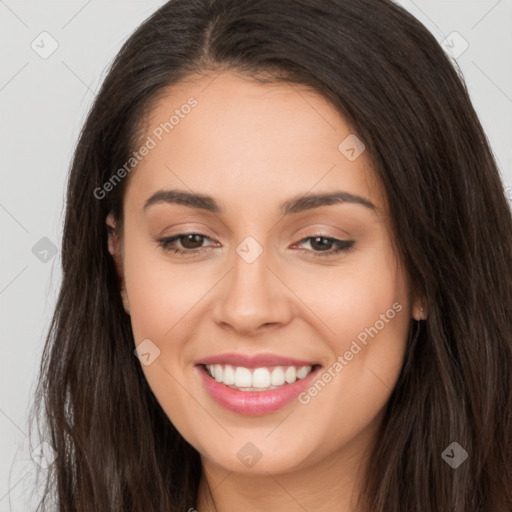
255	385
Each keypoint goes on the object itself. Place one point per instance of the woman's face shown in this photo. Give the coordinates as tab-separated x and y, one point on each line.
261	277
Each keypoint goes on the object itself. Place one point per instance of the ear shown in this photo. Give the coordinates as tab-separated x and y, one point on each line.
419	309
114	248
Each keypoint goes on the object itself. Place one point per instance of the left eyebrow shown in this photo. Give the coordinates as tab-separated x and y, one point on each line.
310	201
294	205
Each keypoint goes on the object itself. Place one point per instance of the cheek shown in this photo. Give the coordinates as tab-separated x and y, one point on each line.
160	293
162	297
352	297
362	312
335	305
342	300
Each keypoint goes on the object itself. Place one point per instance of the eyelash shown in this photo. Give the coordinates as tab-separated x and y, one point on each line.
166	244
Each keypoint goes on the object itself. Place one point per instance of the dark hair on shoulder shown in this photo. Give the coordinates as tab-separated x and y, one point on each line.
392	82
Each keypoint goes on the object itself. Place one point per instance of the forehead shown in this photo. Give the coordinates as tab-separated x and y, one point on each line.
222	133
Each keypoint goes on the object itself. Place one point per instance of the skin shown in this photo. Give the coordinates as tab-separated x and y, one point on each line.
251	147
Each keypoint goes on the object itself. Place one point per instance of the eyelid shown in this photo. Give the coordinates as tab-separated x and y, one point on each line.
321	230
176	237
341	245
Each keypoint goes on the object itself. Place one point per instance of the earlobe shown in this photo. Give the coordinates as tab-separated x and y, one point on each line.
114	248
113	240
124	298
419	311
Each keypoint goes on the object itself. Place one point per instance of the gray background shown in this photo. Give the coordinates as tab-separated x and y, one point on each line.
44	100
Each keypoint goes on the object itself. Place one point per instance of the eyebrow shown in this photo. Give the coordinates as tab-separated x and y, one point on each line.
294	205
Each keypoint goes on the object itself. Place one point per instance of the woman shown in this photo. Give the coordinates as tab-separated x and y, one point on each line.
290	214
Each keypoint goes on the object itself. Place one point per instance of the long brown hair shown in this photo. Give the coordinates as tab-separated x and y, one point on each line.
389	78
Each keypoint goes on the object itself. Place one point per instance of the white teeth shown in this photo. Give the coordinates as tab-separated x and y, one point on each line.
261	378
243	378
302	372
218	372
278	376
290	374
228	376
256	379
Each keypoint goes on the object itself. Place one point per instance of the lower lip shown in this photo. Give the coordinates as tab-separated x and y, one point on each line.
254	403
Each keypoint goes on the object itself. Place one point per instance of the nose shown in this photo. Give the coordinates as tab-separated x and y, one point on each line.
253	296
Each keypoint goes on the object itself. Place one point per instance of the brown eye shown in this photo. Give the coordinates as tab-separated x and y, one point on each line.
191	241
184	243
326	246
320	243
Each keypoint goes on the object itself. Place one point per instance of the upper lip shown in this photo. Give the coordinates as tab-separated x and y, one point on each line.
255	361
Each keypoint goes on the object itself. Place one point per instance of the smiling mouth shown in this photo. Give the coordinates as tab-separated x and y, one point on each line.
264	378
